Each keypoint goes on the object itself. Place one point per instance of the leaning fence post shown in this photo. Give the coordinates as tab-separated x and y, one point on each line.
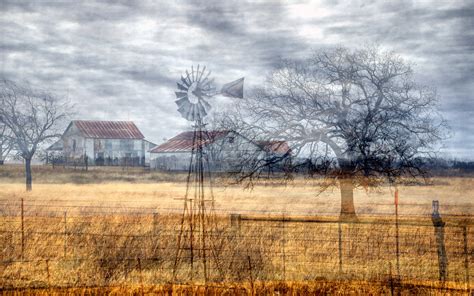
466	259
439	233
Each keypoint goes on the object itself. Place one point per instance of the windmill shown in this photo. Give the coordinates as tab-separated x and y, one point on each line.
194	91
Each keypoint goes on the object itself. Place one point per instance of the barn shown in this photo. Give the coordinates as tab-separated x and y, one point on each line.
225	150
111	143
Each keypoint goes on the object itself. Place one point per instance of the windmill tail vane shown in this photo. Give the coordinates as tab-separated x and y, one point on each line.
234	89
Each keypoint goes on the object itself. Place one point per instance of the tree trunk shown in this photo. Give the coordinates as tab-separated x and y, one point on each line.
346	183
347	199
29	178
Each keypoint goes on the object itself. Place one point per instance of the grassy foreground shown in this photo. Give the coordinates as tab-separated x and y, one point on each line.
86	236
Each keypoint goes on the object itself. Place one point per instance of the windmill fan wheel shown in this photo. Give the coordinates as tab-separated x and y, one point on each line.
193	91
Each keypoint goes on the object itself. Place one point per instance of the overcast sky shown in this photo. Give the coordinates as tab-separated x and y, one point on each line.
120	61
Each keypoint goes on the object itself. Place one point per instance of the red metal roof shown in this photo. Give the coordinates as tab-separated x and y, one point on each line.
108	129
184	141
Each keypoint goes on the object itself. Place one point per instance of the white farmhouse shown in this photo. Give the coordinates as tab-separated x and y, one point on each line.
103	143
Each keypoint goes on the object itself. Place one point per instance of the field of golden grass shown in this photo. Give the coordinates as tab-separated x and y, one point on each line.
135	187
117	230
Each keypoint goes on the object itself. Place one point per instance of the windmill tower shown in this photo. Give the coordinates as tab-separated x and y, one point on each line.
195	251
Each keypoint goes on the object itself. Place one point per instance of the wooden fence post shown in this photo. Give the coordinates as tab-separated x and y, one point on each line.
155	223
439	233
235	221
397	233
48	276
283	246
250	269
65	234
22	229
340	247
140	274
466	259
391	279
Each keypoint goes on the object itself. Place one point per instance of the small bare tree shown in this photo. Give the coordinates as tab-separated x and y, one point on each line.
32	117
360	113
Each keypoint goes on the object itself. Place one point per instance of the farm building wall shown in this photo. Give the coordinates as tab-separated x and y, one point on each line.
73	143
130	152
170	161
225	154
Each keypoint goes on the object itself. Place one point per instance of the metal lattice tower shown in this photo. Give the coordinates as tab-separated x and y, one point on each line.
198	221
195	245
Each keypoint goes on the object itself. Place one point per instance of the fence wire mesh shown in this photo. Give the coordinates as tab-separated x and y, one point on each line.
75	245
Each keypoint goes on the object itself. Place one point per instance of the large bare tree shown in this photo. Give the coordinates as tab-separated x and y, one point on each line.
32	117
361	111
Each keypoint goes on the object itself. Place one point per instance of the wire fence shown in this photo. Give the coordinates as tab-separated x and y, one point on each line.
64	244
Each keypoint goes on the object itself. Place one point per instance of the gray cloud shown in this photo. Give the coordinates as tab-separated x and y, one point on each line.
120	59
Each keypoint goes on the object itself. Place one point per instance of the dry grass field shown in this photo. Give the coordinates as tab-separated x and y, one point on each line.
115	231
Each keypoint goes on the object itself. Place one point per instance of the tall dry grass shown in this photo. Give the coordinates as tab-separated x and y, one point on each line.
122	226
111	250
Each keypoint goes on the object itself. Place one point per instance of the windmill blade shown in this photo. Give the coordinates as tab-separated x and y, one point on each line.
234	89
205	104
185	81
186	110
181	87
180	94
188	78
201	110
202	73
181	101
183	107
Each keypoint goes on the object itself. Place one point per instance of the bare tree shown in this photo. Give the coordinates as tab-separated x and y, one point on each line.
32	116
359	113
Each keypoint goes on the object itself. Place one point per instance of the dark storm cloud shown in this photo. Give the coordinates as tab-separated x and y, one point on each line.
120	59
